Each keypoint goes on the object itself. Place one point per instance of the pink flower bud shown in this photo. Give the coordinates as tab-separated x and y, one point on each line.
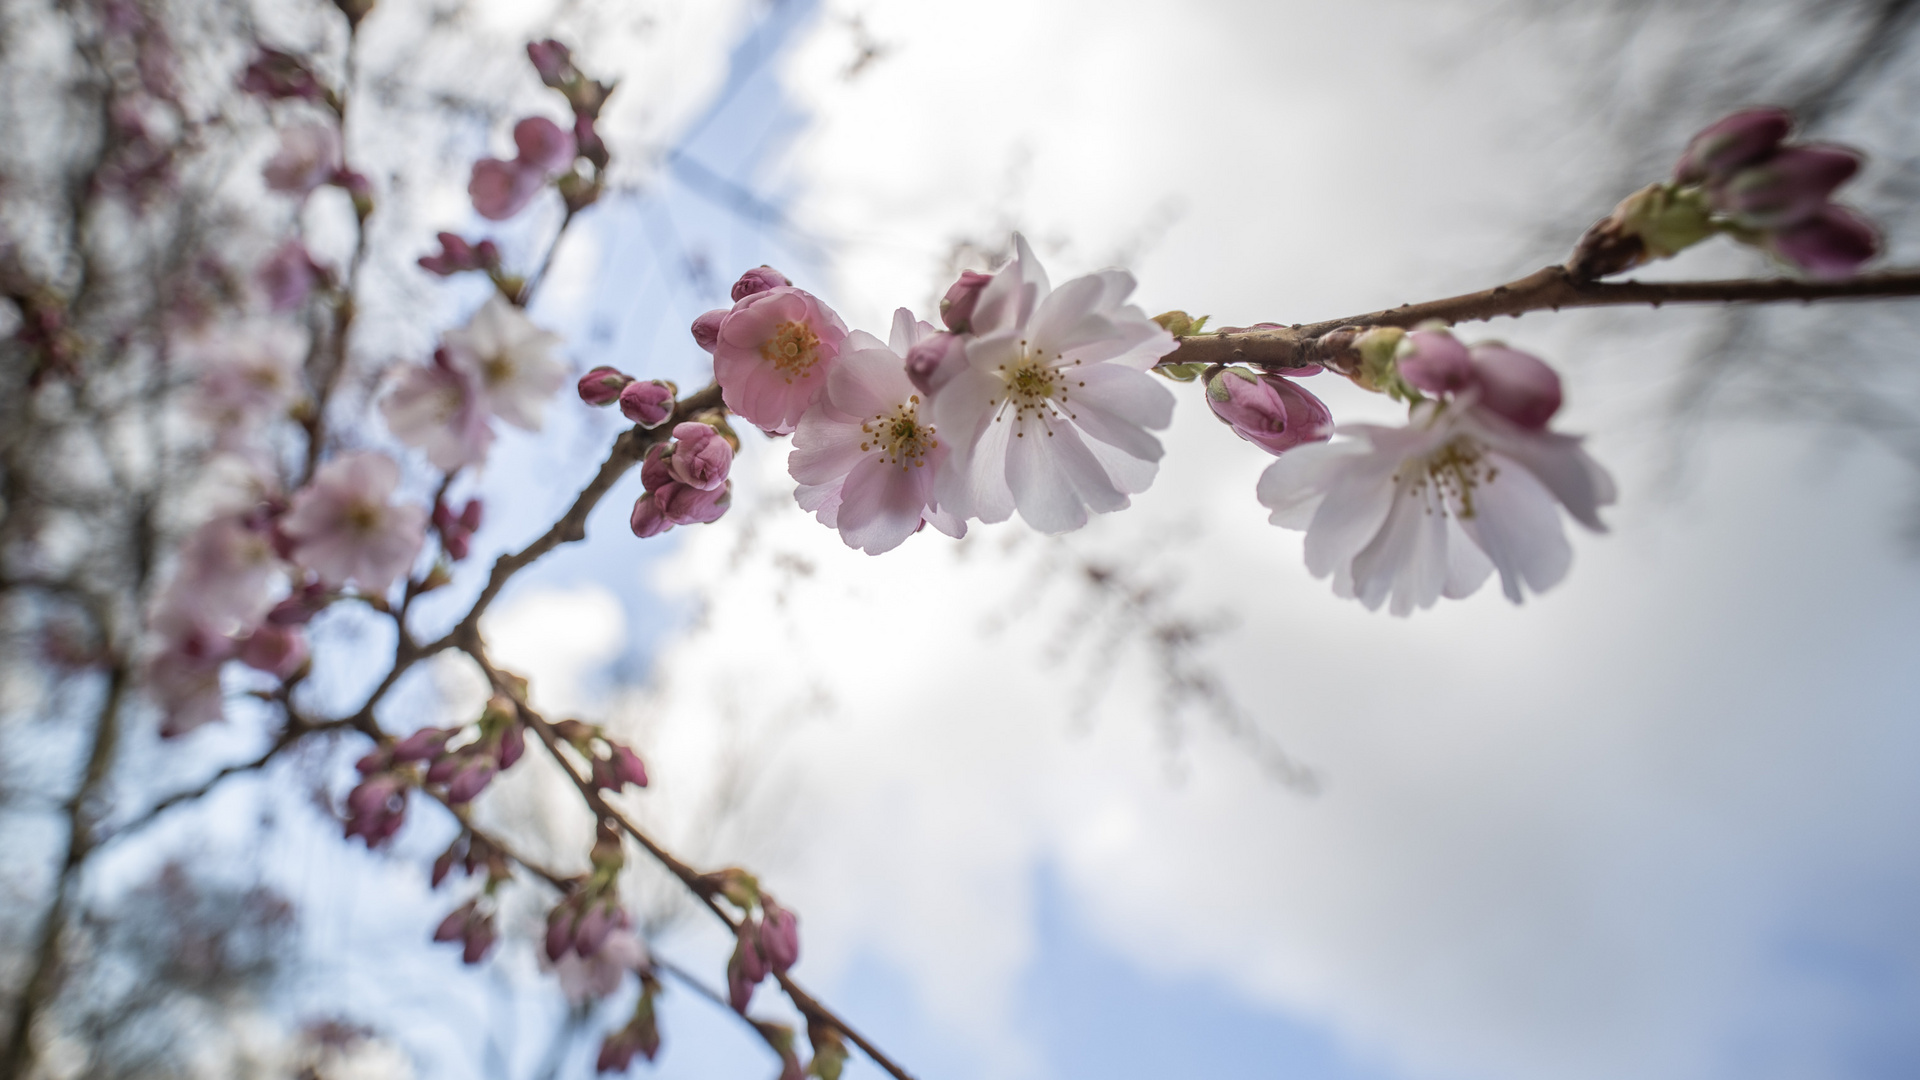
701	456
935	361
476	772
456	533
1732	143
592	146
309	154
1834	243
287	276
1517	385
277	650
647	520
552	60
595	924
758	280
278	75
1268	411
543	144
706	328
745	968
377	808
685	505
956	307
454	926
443	768
422	744
779	935
301	607
501	189
1787	188
480	939
655	473
560	928
1435	361
621	767
457	256
648	404
602	385
513	743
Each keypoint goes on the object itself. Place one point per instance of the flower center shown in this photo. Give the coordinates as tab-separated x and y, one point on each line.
900	436
496	369
363	517
1449	477
1033	387
793	350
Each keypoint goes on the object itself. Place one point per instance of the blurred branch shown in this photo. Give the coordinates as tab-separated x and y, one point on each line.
808	1005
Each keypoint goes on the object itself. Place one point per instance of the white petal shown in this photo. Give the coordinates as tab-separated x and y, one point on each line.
1040	484
1516	523
1407	559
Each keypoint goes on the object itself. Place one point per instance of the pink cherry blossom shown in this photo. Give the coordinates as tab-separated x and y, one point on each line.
287	276
246	375
309	155
1517	385
1053	413
511	361
701	456
1435	361
956	307
501	189
438	408
866	455
277	650
543	144
773	354
1404	516
345	528
706	328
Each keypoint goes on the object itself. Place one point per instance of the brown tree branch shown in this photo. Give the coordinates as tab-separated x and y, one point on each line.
1549	289
809	1006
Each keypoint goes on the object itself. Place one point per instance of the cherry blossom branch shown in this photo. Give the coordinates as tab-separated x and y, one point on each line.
695	882
563	884
1550	289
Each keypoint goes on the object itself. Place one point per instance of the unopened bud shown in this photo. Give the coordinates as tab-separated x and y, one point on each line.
1517	385
1788	187
1732	143
758	280
655	470
779	935
543	144
1377	348
552	60
962	297
1834	243
706	328
648	404
684	504
934	362
278	650
1434	361
647	519
701	457
602	385
1268	411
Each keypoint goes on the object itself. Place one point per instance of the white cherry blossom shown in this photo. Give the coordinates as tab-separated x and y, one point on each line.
511	361
1404	516
1052	413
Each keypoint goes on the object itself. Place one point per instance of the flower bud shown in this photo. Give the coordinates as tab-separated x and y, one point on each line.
647	520
454	926
279	651
276	75
655	472
591	145
648	404
513	743
1516	385
1268	411
1788	187
684	504
475	773
758	280
745	968
1834	243
423	744
1434	361
552	60
621	767
779	935
376	808
543	145
287	276
1377	348
1731	143
501	189
934	362
602	385
701	457
706	328
956	307
560	923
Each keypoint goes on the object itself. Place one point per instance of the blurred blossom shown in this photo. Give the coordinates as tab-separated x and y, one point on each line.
287	276
865	455
1435	361
275	75
458	256
1731	143
1518	386
246	375
277	650
345	528
511	361
956	307
308	157
437	407
584	979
